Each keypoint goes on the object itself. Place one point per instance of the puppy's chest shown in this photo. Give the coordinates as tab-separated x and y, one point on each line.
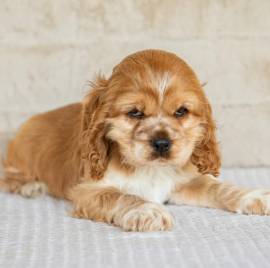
152	184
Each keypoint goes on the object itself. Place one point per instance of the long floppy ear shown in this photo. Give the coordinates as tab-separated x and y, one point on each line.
94	146
206	155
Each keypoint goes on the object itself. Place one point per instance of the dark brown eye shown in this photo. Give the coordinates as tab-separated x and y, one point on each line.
182	111
135	113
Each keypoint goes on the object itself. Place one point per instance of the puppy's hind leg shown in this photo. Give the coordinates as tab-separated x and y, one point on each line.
10	185
15	182
33	189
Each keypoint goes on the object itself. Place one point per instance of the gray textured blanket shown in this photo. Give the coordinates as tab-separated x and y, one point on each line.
39	233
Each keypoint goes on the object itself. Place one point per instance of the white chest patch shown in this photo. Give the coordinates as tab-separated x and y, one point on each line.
150	183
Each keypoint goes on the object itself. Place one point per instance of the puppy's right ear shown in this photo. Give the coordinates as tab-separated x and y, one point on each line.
94	146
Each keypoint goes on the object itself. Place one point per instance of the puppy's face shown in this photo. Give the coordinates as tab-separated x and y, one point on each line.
157	115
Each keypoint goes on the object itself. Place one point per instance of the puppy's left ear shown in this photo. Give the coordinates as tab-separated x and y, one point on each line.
94	146
206	155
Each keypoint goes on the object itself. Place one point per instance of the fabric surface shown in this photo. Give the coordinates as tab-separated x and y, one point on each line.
39	233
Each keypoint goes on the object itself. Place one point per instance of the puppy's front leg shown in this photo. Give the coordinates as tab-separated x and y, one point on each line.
207	191
108	204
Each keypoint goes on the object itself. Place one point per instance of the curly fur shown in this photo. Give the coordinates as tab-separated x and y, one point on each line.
95	147
206	155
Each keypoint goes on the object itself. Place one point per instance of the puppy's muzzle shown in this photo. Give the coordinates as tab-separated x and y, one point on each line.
161	146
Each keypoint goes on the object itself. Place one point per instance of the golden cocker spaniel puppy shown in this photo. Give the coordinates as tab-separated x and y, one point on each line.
141	138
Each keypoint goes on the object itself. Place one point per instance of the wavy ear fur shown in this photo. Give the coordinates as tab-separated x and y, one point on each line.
94	146
206	155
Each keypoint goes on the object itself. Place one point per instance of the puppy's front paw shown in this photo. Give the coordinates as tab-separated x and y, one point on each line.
255	202
146	217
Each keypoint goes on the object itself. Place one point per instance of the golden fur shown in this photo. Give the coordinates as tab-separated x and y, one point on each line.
99	153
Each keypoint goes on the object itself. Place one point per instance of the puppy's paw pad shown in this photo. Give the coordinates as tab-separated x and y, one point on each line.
147	217
255	202
33	189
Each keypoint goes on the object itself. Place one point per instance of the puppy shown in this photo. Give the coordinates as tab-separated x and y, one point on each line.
141	138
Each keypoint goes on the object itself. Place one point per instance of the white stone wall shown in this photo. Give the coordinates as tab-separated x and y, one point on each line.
50	48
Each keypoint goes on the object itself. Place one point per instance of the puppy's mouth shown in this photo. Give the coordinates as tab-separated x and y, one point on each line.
161	157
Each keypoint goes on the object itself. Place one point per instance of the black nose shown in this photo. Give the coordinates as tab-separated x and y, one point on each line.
161	145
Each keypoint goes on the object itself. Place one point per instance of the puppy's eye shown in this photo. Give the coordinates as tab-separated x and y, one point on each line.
136	113
182	111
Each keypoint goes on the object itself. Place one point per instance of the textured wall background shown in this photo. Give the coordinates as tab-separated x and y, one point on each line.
49	49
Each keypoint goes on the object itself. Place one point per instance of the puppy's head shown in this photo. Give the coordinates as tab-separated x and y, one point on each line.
152	111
